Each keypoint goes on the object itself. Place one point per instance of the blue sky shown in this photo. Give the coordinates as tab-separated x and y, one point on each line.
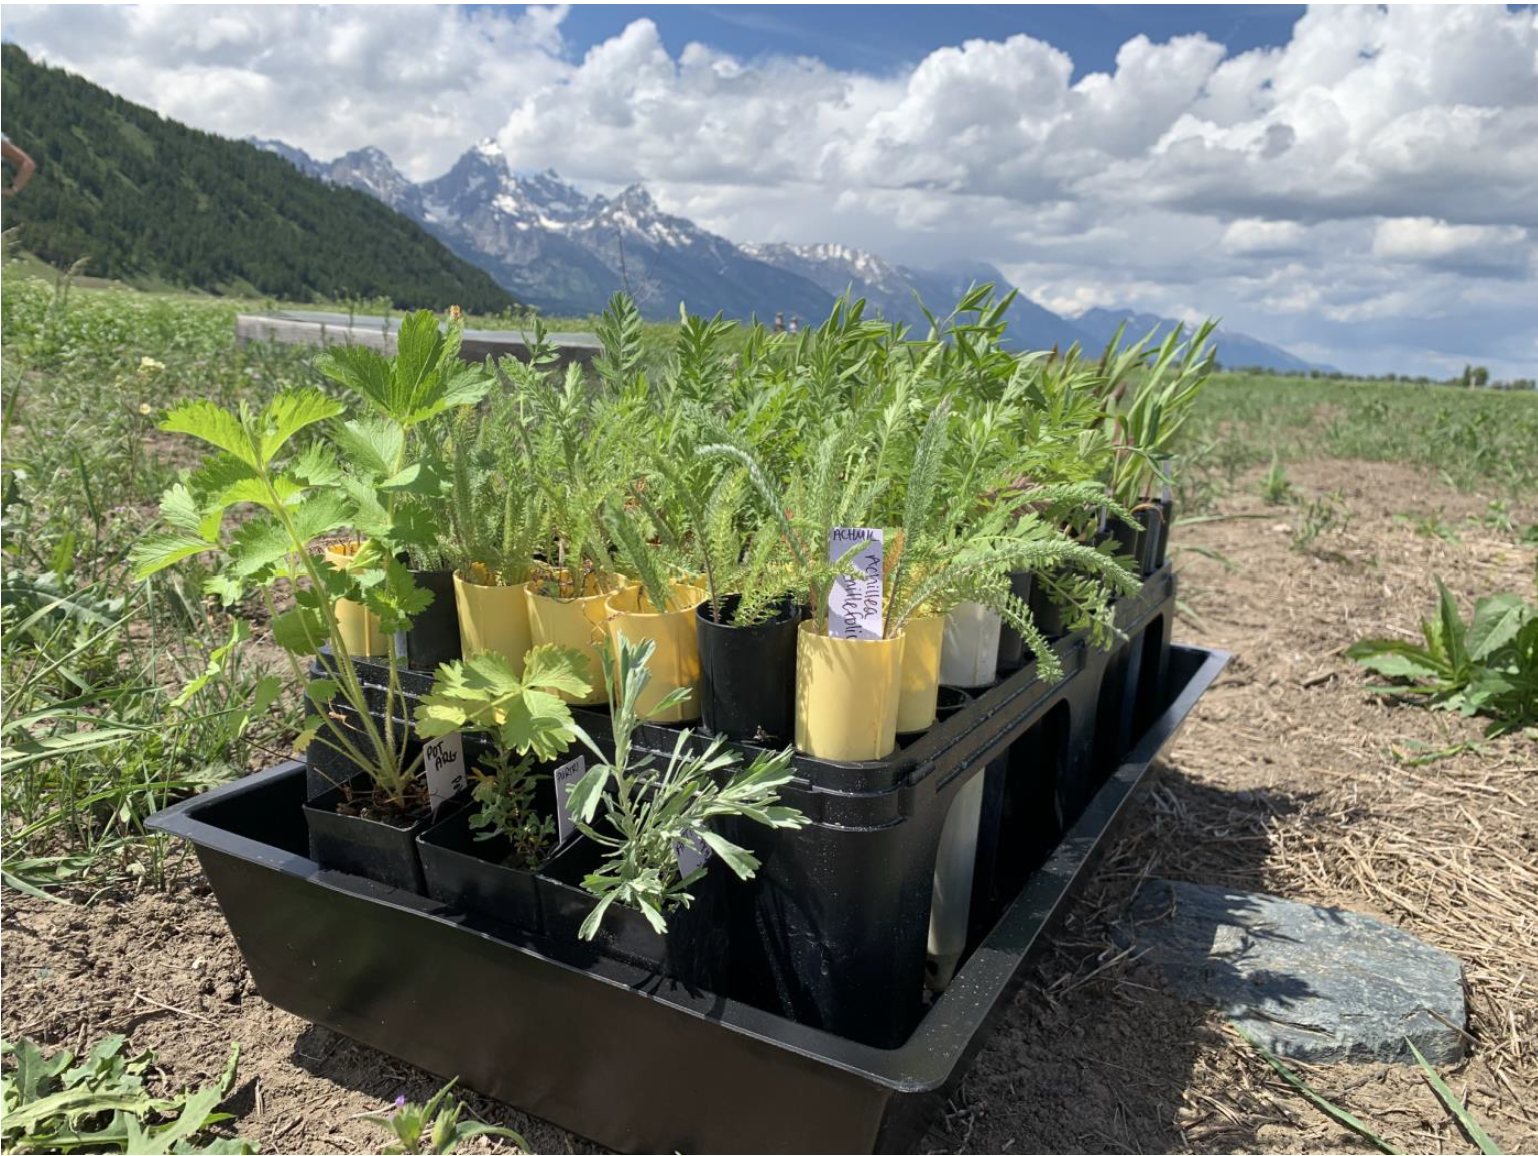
878	38
1358	184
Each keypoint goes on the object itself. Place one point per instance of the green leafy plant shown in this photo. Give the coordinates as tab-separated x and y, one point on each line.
528	723
522	714
305	496
1276	486
495	510
649	811
434	1127
1319	516
101	1104
1487	666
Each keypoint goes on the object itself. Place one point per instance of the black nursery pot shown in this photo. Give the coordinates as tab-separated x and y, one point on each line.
1151	539
695	949
433	638
371	848
1166	517
473	874
1131	541
1011	645
1047	614
748	673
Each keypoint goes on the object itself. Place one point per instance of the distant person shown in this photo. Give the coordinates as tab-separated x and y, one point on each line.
25	165
795	324
779	323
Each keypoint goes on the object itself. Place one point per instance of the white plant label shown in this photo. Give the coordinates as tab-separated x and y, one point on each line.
566	776
443	759
692	854
854	604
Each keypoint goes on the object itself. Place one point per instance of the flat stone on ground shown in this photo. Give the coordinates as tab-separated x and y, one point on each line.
1317	984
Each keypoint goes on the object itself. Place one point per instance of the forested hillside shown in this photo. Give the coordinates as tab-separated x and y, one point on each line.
147	199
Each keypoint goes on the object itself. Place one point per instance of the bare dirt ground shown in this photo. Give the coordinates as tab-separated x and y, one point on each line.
1289	778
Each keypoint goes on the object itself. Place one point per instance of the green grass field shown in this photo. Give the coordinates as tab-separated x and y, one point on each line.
96	732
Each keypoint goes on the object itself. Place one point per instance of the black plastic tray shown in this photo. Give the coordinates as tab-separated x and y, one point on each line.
615	1053
836	922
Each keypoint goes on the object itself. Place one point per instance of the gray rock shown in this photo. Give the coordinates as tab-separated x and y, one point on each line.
1314	983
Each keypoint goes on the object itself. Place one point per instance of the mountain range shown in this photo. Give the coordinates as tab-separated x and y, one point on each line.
567	252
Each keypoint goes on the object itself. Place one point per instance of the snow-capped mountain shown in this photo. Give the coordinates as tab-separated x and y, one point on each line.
897	290
567	252
553	245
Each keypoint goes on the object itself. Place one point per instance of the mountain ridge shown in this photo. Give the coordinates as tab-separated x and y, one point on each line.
146	199
566	251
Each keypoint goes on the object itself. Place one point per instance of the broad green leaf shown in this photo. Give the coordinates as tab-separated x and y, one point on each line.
397	599
536	721
320	514
373	445
1497	619
558	668
1453	630
363	370
316	465
223	479
259	545
299	631
290	412
320	691
154	552
1396	664
218	427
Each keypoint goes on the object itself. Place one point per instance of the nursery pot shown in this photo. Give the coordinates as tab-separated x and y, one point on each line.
675	663
695	948
492	617
574	622
747	673
846	695
951	903
1151	519
473	874
969	651
1162	542
358	626
1131	541
372	848
1049	616
920	687
433	636
1011	645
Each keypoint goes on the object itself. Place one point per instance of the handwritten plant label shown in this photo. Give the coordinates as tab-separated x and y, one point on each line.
566	776
854	603
443	759
692	854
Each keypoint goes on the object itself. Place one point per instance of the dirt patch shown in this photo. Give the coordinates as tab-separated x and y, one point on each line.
1289	778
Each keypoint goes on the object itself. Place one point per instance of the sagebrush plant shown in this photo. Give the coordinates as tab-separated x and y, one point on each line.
648	811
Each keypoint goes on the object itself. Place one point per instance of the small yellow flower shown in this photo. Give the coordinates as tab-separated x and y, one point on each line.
453	312
150	365
144	408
